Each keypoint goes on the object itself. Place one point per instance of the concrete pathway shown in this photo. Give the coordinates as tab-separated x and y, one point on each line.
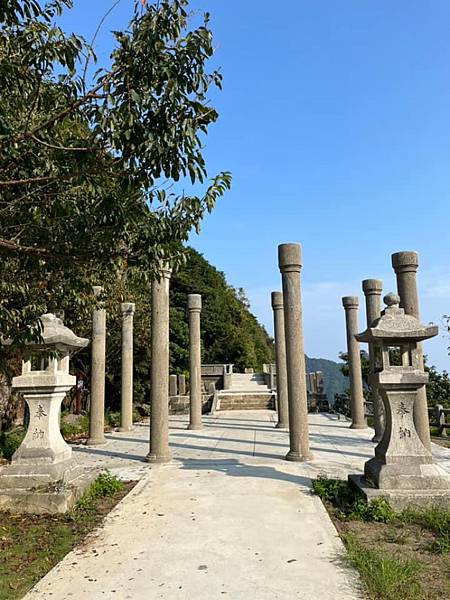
228	518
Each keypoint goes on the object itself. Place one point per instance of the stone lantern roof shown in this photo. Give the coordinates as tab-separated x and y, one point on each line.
56	336
394	326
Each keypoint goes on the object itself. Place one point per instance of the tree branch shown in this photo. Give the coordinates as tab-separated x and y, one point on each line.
34	251
68	148
52	178
16	182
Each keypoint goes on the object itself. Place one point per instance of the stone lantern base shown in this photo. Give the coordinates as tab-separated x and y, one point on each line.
43	476
400	499
20	494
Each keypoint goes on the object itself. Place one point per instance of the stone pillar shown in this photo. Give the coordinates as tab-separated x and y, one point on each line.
350	304
289	261
126	408
372	289
159	371
227	376
98	351
173	385
195	362
405	265
181	385
280	354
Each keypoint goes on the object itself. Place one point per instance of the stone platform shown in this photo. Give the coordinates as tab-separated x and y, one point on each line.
58	497
227	518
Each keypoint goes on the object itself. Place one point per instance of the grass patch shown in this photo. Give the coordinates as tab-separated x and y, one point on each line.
384	577
434	519
30	545
401	556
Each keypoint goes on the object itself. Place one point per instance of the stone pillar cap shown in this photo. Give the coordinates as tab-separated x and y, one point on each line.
350	301
372	286
194	302
405	261
277	300
290	257
127	307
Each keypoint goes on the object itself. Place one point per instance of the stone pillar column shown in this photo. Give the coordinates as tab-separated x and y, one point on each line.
350	304
289	261
126	408
173	385
372	289
159	371
98	351
195	362
181	385
280	354
405	265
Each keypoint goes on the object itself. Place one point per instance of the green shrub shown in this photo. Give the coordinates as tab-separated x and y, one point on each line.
349	504
78	428
10	441
142	410
378	510
385	578
330	490
112	418
105	485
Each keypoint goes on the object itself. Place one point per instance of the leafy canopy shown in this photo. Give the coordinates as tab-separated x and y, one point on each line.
88	165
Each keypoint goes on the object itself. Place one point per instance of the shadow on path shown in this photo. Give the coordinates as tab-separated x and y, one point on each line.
110	453
213	449
236	469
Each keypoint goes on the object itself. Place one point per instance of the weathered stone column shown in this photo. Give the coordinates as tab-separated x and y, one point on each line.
372	289
405	265
159	371
98	351
195	362
280	357
173	385
181	385
350	304
126	408
289	261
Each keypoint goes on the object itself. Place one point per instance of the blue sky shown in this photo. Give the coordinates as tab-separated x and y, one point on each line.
335	122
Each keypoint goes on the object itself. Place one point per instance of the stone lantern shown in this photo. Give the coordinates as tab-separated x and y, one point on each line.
403	469
42	474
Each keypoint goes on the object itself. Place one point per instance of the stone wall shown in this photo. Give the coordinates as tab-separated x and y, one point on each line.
179	405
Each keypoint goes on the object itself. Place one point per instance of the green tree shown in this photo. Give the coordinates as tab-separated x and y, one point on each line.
89	166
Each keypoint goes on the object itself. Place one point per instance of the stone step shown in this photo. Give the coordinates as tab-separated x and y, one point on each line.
245	401
250	388
249	382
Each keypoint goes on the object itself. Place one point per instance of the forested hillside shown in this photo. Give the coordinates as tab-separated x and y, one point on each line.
230	333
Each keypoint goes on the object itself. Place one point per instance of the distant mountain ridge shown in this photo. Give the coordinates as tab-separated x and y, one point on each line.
334	381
